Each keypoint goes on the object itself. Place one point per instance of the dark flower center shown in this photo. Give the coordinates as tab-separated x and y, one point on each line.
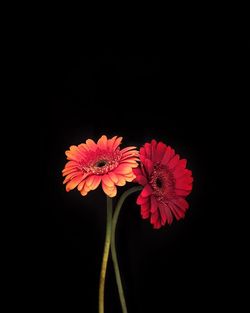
101	163
163	183
158	182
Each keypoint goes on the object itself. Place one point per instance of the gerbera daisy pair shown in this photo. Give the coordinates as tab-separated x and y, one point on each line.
163	178
166	181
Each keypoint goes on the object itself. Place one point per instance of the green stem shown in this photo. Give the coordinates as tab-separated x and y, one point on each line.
105	254
113	249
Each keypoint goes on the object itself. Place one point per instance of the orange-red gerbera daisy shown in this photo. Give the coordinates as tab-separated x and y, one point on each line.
166	183
91	163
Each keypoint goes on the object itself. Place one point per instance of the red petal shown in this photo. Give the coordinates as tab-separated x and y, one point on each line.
160	151
147	147
174	161
178	171
181	203
165	214
155	219
153	150
141	180
154	205
145	209
183	185
140	200
147	191
137	171
148	164
182	192
142	151
183	163
176	211
169	153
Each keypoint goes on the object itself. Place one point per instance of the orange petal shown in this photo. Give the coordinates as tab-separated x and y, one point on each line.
90	180
130	177
70	176
85	190
110	142
111	192
113	177
117	143
127	164
81	185
72	155
107	181
74	149
96	182
91	144
132	160
127	149
71	164
69	171
74	182
121	180
122	169
83	147
102	142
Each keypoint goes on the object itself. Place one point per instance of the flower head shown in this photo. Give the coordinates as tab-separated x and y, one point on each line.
103	162
166	183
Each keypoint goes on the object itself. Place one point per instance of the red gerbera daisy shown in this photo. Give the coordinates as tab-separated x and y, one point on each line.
91	163
166	183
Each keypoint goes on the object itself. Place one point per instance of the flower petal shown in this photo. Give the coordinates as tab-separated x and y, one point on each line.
148	164
169	153
74	182
113	177
145	209
122	169
140	200
70	176
160	151
147	148
91	144
146	191
117	143
127	149
141	180
137	171
174	161
153	150
102	142
154	204
166	214
107	181
176	211
96	182
111	192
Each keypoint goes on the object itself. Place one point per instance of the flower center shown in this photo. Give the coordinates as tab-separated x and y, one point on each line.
101	163
158	182
162	182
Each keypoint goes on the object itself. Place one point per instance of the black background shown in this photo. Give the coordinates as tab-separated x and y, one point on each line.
170	90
